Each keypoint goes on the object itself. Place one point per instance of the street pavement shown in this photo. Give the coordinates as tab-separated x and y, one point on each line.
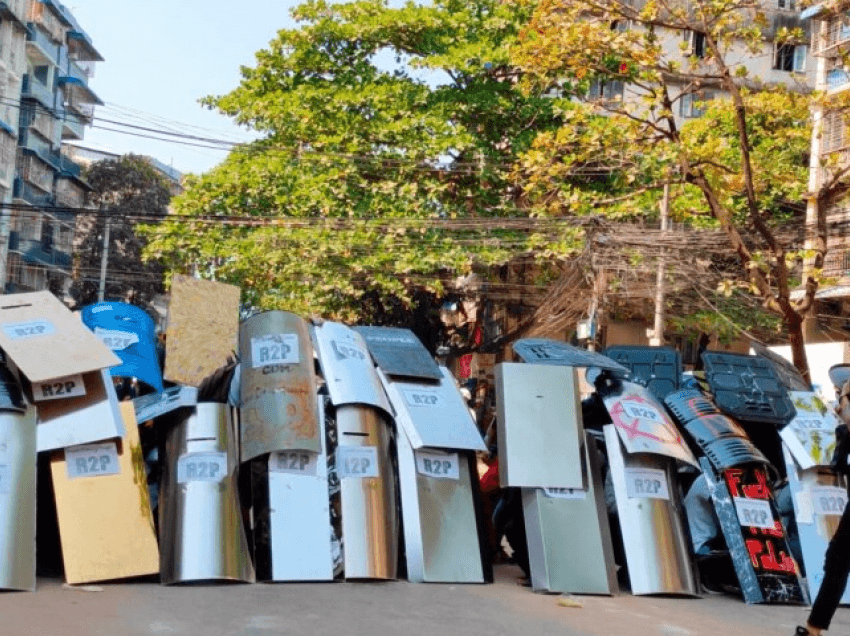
145	608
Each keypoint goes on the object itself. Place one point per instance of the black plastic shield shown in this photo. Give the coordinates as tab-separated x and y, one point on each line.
399	352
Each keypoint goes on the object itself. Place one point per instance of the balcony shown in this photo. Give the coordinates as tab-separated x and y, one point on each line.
41	46
72	126
38	252
33	89
69	169
39	147
75	82
28	193
8	12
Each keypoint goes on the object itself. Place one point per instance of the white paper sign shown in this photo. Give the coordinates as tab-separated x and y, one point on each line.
116	340
30	329
420	398
356	462
59	388
754	513
296	462
5	479
92	460
438	465
829	500
646	483
209	466
278	348
565	493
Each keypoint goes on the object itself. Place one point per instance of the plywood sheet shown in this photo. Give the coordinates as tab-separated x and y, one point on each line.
45	340
203	327
105	521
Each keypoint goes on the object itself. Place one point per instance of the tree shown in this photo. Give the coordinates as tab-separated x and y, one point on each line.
742	169
123	191
382	172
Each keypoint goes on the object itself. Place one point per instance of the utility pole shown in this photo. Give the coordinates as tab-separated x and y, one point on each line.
657	338
104	257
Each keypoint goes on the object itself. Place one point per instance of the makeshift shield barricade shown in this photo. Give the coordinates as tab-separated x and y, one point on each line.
587	565
347	367
103	507
438	512
819	502
538	411
659	369
131	334
63	363
202	536
292	531
363	463
754	534
541	450
278	386
651	520
17	499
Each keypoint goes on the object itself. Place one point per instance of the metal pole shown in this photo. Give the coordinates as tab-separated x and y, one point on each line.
104	257
657	338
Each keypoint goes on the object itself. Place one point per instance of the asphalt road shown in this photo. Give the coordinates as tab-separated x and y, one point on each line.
145	608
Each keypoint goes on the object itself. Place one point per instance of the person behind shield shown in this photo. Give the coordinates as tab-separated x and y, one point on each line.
837	561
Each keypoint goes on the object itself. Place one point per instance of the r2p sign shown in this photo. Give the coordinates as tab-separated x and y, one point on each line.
646	483
356	462
92	460
206	467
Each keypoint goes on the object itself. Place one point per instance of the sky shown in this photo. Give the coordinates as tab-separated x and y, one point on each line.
161	56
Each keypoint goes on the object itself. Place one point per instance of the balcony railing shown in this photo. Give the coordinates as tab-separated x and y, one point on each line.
68	168
30	194
34	89
36	38
38	253
40	147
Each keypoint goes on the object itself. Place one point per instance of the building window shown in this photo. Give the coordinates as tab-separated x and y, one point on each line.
790	57
606	90
788	5
696	43
41	73
692	105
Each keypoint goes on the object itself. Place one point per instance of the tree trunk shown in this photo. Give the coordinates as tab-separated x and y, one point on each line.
794	322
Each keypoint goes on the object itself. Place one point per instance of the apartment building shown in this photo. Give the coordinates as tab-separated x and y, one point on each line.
46	62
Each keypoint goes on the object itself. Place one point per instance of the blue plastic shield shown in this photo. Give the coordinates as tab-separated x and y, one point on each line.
131	334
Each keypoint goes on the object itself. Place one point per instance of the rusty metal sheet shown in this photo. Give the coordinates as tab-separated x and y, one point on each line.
348	369
278	385
643	424
399	352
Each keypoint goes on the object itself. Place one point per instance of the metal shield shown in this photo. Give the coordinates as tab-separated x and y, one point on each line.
363	465
347	367
292	536
17	500
644	425
433	415
278	385
131	334
584	564
651	521
438	515
539	426
200	520
399	352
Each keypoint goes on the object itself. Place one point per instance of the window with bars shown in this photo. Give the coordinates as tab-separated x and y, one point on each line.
790	57
833	132
788	5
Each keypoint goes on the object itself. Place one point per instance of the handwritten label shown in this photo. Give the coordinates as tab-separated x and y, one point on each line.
58	389
565	493
26	330
5	479
438	465
357	462
754	513
297	462
641	411
92	460
278	348
209	467
418	397
829	500
646	483
116	340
